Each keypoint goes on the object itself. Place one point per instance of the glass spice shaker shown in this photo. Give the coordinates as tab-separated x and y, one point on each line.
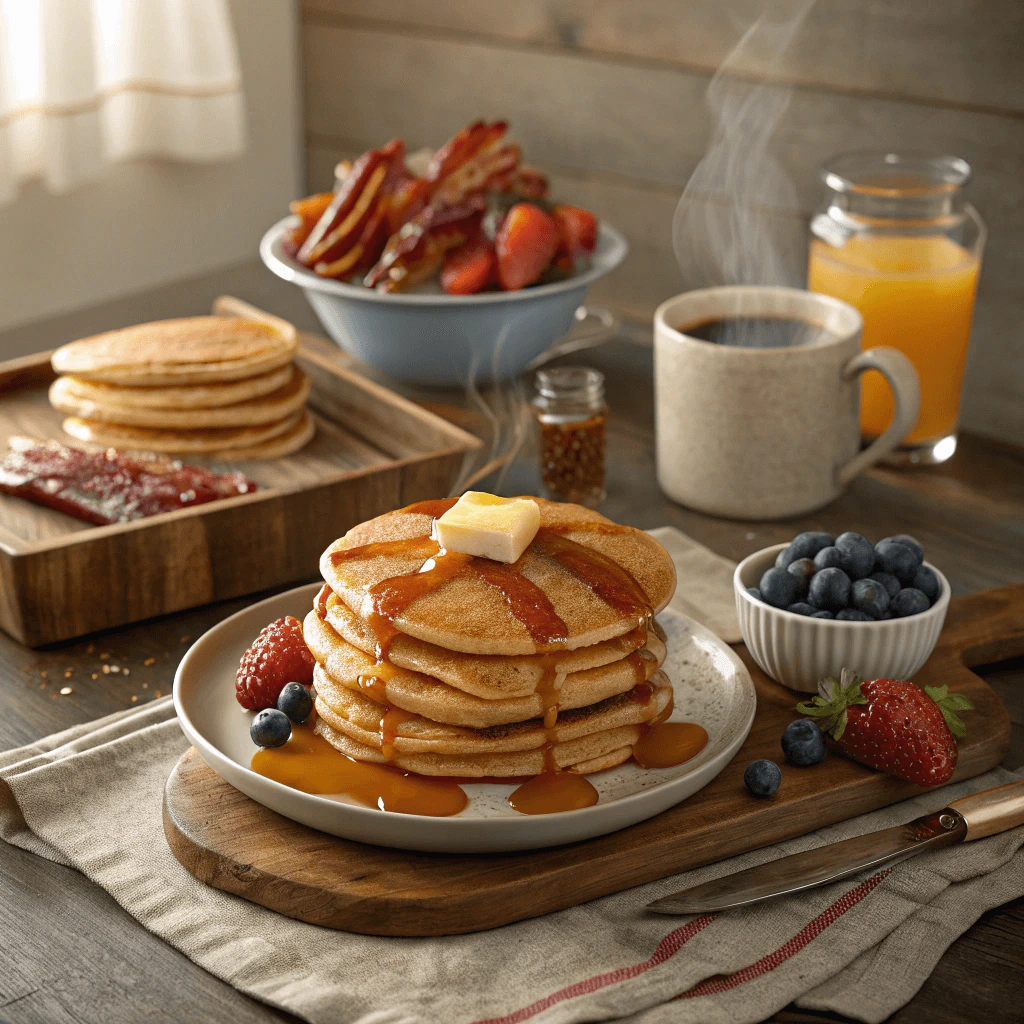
572	413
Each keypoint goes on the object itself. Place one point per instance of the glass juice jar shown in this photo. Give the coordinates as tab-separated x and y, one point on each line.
572	414
897	240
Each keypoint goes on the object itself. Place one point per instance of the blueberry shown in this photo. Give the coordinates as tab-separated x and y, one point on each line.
909	602
897	558
927	582
830	589
801	608
778	588
823	615
858	555
891	584
762	778
870	597
807	545
803	742
803	569
785	557
853	615
908	541
829	558
754	593
270	728
294	700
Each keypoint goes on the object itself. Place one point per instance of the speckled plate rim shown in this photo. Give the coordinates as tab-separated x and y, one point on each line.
204	701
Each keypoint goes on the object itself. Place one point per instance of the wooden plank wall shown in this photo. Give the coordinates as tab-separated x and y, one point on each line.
609	96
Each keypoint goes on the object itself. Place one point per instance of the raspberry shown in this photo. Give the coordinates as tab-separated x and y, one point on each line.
277	656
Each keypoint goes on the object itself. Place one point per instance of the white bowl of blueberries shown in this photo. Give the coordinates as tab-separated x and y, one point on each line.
811	608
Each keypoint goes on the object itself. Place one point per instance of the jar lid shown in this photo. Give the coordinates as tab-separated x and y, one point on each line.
570	382
895	175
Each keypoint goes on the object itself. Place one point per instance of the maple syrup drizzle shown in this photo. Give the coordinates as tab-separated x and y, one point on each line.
664	744
554	791
434	507
309	763
321	601
527	602
600	574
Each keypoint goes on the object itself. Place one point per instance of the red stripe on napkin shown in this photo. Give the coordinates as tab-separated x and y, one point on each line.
675	940
669	946
712	986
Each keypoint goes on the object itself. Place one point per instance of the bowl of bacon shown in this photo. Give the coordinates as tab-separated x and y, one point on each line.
443	269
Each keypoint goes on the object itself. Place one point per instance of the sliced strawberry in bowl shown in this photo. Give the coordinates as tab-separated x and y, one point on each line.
892	725
525	243
470	267
577	230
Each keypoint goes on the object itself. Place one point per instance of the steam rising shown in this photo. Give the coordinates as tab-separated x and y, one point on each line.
731	225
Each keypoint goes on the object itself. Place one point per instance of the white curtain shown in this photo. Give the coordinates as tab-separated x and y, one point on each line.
84	83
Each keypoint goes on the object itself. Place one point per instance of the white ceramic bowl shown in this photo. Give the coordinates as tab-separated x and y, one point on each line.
797	651
434	339
712	688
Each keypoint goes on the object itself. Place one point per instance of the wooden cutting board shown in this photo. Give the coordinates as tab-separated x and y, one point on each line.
230	842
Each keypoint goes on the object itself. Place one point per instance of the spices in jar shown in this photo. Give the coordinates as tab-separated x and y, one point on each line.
572	415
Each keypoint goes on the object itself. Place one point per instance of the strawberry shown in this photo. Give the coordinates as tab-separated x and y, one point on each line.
469	268
893	725
577	230
277	656
525	243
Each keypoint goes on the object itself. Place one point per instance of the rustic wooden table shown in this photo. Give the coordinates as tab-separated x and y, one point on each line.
68	953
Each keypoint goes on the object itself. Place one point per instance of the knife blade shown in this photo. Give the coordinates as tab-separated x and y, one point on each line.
972	817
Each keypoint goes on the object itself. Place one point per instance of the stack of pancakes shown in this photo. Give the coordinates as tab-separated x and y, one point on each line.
455	682
225	387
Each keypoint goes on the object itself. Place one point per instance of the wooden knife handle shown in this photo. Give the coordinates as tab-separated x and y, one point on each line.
992	810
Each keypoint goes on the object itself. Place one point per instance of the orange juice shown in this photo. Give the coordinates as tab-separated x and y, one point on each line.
917	295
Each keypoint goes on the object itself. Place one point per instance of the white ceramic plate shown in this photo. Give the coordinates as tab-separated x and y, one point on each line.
712	688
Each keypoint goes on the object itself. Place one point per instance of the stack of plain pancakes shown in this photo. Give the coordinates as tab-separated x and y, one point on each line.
462	688
224	387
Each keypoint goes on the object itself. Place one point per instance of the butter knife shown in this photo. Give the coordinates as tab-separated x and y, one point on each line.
972	817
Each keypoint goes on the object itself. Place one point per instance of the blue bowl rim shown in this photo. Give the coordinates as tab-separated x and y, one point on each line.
612	248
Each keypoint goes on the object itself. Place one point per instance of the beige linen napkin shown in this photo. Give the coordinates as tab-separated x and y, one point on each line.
91	796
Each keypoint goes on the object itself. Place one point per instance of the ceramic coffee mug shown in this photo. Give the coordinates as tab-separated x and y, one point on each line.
763	433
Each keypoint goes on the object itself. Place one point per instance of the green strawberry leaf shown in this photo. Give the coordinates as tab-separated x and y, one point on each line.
832	701
949	704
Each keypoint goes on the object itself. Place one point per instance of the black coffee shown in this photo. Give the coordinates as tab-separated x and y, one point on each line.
758	332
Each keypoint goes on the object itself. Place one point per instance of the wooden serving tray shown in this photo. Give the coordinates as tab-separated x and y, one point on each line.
373	451
235	844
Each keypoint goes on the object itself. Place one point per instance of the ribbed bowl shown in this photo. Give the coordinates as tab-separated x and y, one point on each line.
797	651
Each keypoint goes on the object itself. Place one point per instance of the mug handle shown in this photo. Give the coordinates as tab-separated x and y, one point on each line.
899	371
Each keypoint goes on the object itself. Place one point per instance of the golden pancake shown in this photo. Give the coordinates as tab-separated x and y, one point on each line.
198	442
283	444
192	350
270	408
491	677
185	396
366	721
341	664
468	614
594	753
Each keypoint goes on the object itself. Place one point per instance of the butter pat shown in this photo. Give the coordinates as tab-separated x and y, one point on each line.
488	526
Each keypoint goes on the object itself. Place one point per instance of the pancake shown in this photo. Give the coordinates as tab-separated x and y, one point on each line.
363	720
469	615
341	664
594	753
186	396
192	350
283	444
491	677
225	442
270	408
